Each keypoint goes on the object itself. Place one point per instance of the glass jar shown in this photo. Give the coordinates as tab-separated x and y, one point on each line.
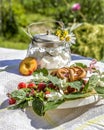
49	51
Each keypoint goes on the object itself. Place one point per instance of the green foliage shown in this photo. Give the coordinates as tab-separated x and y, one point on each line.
18	94
80	65
20	13
8	22
21	104
21	37
52	105
77	95
44	71
76	84
90	41
100	90
91	11
92	83
46	7
12	43
38	106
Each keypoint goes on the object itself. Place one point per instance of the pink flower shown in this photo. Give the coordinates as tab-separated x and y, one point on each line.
76	7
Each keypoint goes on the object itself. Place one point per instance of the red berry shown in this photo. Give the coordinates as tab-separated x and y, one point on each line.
11	101
50	85
41	86
31	85
47	92
71	90
22	85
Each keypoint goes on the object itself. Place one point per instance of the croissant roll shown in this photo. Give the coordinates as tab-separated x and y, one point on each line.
54	73
62	73
80	73
71	75
70	68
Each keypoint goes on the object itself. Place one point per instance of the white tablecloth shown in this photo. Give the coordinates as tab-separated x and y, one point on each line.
89	117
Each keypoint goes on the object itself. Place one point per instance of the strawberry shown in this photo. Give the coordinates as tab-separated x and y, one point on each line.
41	86
11	101
22	85
31	85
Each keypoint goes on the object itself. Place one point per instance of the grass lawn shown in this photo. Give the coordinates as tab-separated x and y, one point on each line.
14	45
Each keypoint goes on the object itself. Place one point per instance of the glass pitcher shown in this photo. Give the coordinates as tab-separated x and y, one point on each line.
49	51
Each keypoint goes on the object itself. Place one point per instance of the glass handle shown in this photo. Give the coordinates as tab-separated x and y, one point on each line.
60	23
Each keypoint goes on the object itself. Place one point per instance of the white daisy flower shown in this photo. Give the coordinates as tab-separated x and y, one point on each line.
71	39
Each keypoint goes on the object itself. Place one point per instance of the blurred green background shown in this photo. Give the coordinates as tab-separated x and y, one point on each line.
16	15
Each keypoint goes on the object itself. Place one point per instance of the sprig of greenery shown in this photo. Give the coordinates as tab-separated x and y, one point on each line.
44	71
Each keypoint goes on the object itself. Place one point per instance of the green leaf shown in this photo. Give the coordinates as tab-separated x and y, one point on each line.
21	104
40	78
102	79
76	84
99	90
93	80
85	89
54	80
18	94
76	95
52	105
44	71
38	106
80	65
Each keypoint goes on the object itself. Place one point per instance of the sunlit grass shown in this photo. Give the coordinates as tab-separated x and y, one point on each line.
14	45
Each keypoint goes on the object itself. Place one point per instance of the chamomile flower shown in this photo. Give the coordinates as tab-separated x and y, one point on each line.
67	39
71	37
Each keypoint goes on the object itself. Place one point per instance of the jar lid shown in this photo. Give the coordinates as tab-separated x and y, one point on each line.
47	40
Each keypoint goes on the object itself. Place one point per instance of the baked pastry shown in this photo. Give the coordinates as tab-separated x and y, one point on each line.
72	73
